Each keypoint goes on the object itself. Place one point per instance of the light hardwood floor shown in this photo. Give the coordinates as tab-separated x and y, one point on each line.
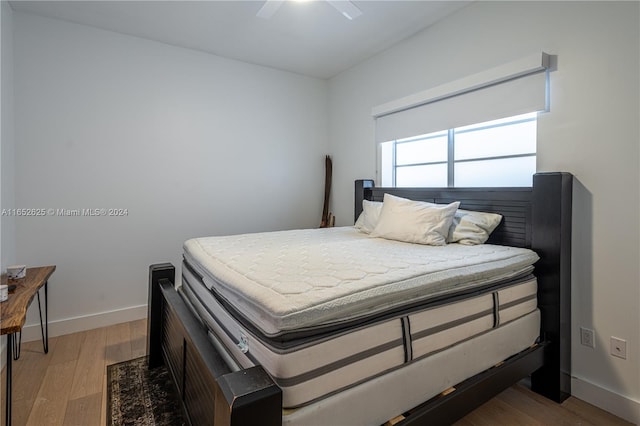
68	386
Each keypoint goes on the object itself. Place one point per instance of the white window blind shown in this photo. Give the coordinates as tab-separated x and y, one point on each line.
511	89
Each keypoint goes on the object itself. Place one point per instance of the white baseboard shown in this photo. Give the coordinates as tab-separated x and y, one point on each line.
620	405
32	332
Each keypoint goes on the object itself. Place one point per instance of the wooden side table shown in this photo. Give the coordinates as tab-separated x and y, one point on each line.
13	314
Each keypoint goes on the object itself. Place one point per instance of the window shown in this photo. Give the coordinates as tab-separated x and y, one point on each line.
494	153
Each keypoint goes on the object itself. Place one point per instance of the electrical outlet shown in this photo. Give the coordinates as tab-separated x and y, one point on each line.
586	337
618	347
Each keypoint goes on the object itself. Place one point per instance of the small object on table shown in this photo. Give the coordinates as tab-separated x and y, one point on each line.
16	272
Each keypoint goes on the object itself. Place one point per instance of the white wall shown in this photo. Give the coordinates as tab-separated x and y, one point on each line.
592	131
190	143
7	224
7	198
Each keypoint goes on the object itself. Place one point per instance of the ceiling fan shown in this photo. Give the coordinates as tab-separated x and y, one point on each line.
345	7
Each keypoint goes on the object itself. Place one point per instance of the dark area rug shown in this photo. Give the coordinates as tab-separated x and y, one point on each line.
142	397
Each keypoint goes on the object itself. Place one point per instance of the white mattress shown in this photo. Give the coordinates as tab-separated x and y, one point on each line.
304	279
310	369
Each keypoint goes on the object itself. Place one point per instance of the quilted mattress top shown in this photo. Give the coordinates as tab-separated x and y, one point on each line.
301	279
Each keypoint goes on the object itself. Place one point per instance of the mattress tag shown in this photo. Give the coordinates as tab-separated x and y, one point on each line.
244	344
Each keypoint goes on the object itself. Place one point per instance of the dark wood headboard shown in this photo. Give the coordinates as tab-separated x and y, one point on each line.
538	218
514	204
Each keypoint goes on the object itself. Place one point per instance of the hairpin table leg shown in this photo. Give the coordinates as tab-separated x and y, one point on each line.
17	344
10	343
44	328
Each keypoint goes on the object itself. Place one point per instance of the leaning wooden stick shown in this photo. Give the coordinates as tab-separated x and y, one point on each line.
325	222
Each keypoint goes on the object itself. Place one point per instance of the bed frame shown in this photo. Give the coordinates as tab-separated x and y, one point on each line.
214	390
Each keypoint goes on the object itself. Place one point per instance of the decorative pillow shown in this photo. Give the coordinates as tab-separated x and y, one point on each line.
471	227
368	219
414	221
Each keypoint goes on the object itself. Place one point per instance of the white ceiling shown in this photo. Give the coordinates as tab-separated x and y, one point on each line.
310	38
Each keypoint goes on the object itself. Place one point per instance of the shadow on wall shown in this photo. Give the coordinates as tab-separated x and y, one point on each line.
582	259
583	357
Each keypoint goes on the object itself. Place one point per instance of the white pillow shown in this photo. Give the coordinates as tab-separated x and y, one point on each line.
470	227
414	221
368	219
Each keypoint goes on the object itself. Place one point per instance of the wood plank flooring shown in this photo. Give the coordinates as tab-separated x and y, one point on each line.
68	386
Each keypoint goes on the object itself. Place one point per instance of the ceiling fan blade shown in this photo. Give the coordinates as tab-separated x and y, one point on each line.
269	8
346	8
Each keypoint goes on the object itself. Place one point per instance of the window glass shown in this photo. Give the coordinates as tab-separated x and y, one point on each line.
387	164
505	172
501	140
427	149
422	176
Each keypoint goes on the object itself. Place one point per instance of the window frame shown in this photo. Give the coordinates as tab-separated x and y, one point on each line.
451	134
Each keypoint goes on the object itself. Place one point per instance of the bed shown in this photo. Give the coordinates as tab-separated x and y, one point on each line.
331	326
